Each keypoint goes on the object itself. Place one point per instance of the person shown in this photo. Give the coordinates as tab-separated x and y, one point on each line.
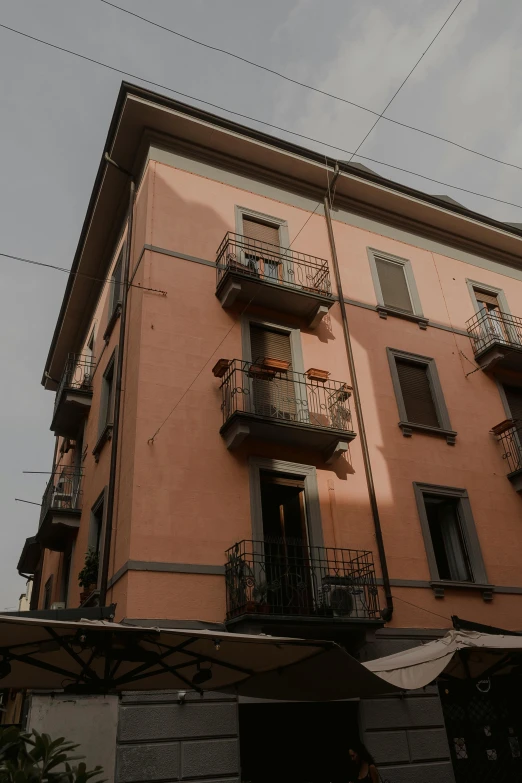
364	764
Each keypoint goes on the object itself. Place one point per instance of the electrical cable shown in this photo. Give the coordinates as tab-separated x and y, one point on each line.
81	274
422	608
406	79
314	89
253	119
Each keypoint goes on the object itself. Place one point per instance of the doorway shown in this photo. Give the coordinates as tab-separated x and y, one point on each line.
305	742
286	549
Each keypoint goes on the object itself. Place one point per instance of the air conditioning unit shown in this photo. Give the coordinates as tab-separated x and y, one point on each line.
58	605
341	597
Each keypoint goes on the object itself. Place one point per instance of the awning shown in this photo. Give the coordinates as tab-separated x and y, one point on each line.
460	654
99	656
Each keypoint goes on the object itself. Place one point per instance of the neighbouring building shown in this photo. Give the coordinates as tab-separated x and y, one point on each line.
317	437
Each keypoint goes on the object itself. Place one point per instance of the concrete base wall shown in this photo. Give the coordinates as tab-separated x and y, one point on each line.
90	721
406	734
161	739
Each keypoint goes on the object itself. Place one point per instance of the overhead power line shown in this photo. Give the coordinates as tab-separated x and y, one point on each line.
397	91
252	119
317	89
79	274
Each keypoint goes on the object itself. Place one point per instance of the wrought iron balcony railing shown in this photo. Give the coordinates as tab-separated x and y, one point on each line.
63	492
77	374
287	396
493	327
288	578
509	435
273	264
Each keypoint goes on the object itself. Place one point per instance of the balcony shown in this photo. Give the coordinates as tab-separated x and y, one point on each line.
74	395
260	402
285	582
509	435
61	509
497	340
270	276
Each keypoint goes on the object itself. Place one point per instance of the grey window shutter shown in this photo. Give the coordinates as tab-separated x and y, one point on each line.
417	393
260	232
514	398
394	287
277	397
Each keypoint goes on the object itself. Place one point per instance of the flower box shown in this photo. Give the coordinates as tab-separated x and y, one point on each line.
261	372
314	374
281	365
220	367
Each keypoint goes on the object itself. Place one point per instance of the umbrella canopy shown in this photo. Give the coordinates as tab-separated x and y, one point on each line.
461	654
100	656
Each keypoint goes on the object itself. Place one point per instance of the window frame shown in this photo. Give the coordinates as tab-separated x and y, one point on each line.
469	534
106	409
498	292
114	309
99	503
406	426
385	310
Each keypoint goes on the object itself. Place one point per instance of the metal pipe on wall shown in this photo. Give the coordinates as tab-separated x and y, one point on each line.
388	611
111	492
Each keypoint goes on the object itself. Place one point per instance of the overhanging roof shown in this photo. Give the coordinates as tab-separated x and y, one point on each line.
139	111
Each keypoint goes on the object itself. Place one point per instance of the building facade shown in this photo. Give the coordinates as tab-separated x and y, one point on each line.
321	377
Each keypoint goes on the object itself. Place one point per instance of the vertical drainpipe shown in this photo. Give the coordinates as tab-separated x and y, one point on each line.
388	611
117	394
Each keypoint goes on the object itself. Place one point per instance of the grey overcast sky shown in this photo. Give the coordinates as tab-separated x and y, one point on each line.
55	111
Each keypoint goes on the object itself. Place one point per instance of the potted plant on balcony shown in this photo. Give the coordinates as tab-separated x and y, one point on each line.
259	595
88	576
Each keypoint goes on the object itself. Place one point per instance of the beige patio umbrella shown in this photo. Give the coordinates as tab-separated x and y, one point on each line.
99	656
460	654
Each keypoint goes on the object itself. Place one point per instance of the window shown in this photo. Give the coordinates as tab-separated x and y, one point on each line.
106	406
96	526
273	397
116	286
449	546
450	537
66	574
107	400
514	401
419	394
48	591
395	287
262	248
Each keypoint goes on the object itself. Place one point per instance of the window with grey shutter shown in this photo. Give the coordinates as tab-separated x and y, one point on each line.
274	397
394	286
417	393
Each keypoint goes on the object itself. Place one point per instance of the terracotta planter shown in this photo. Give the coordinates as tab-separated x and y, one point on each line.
281	365
260	372
220	367
314	374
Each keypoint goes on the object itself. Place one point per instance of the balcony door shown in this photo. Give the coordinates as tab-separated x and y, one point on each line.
286	556
492	325
277	396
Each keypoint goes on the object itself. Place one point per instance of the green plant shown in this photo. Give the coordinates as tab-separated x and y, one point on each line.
89	574
35	758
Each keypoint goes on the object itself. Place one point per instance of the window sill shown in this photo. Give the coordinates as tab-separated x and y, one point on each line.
112	322
106	435
384	312
408	427
438	588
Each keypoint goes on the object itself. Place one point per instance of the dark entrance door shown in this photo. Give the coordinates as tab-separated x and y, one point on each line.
304	742
484	726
